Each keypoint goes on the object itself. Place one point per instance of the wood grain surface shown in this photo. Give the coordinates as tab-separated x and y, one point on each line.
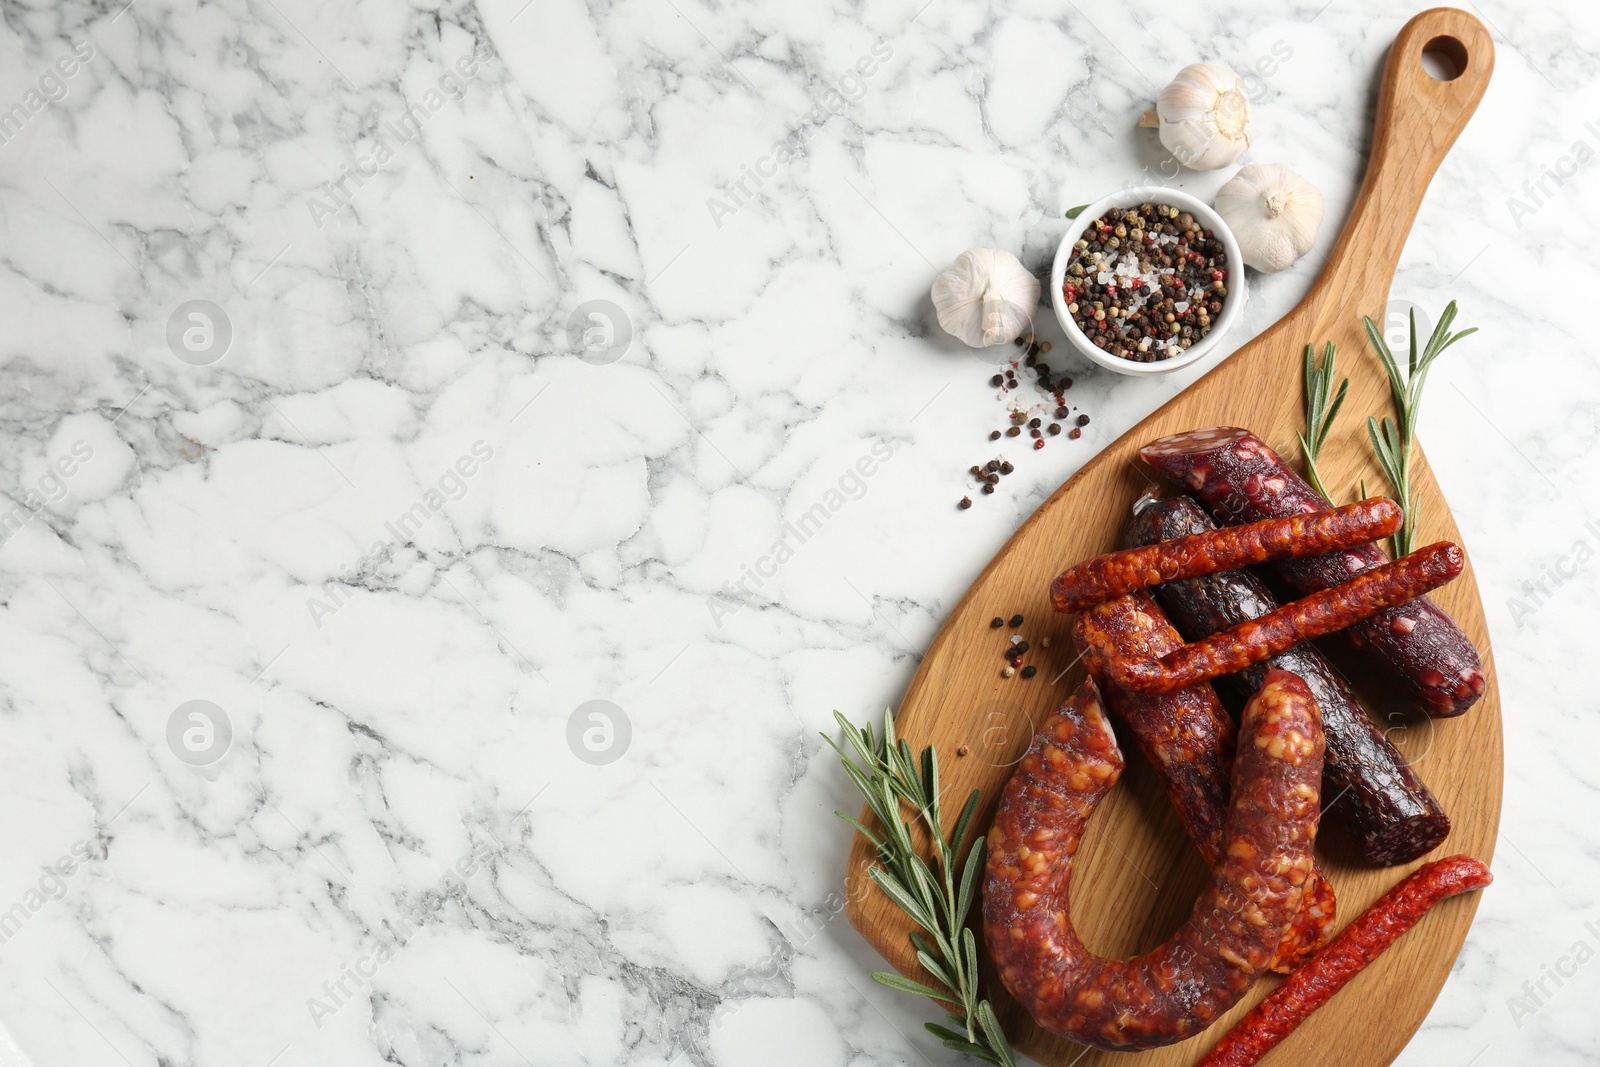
1137	875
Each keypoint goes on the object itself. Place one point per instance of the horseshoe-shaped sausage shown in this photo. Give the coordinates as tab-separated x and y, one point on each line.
1180	988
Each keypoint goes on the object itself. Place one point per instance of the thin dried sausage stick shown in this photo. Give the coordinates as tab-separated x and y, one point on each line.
1180	988
1367	786
1420	652
1357	945
1277	631
1115	574
1190	740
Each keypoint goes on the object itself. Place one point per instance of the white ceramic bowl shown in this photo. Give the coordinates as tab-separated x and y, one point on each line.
1125	198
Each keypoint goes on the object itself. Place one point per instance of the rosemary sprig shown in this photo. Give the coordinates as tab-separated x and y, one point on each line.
1391	442
1319	413
936	898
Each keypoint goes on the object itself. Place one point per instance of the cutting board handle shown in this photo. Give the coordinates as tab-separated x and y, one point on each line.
1418	118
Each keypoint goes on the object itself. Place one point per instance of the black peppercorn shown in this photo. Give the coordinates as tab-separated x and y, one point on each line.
994	435
1015	431
1083	420
966	502
997	622
997	381
987	488
1029	671
1016	621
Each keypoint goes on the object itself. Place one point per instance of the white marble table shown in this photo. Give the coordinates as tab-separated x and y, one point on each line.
373	505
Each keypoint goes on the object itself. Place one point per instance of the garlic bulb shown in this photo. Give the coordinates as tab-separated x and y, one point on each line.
987	298
1273	212
1204	117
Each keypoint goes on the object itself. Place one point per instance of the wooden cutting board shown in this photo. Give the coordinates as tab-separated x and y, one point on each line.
1137	874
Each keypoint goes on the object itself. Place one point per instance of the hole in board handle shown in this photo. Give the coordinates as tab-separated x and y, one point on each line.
1444	58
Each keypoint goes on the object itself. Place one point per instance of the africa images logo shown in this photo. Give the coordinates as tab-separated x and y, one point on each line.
599	332
599	732
199	332
199	732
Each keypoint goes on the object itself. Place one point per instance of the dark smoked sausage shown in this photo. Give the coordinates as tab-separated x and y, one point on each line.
1315	615
1183	986
1117	573
1366	785
1421	652
1190	740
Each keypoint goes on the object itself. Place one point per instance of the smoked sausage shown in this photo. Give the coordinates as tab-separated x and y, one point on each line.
1356	946
1190	740
1116	573
1315	615
1367	786
1180	988
1417	648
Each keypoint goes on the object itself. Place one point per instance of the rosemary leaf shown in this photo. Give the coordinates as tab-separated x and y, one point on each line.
957	1043
906	985
1385	438
1412	318
926	884
991	1027
1333	409
969	881
977	1052
969	950
903	900
927	889
935	968
1392	440
862	830
1320	413
964	821
908	765
860	779
860	740
1397	386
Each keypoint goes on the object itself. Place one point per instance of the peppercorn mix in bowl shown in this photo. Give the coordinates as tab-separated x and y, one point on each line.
1147	281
